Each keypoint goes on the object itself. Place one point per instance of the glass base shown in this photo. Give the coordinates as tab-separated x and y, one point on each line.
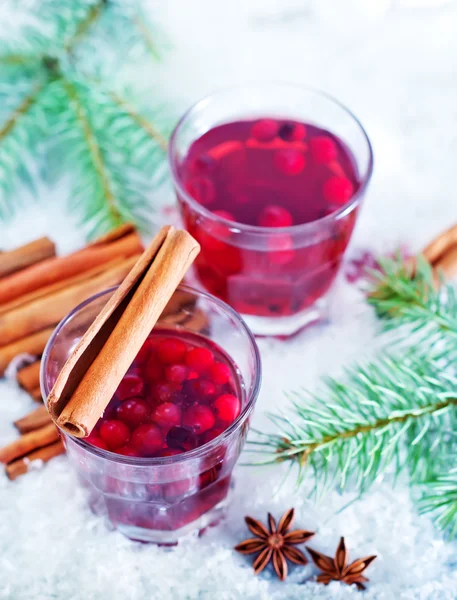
285	327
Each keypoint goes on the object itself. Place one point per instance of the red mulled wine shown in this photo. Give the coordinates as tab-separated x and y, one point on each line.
268	173
181	392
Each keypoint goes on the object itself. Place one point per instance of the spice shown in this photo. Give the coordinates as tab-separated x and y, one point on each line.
28	442
275	543
22	465
97	365
26	255
34	420
337	569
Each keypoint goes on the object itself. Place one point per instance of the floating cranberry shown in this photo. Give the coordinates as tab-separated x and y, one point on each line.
162	392
114	433
133	412
292	132
282	251
176	373
323	149
144	352
202	190
127	451
199	389
153	370
167	414
147	439
192	375
220	373
275	216
171	350
338	189
212	434
227	407
199	359
289	161
181	438
130	386
265	130
97	441
203	164
199	418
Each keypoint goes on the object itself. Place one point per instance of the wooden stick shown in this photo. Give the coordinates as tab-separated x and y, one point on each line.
29	377
22	465
26	255
36	394
33	344
42	312
34	420
114	234
59	285
439	246
94	370
447	263
56	269
28	442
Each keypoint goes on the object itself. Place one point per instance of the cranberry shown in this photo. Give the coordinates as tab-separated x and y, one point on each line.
163	392
212	434
199	359
133	412
323	149
224	214
127	451
169	452
144	352
227	407
207	477
282	251
203	164
275	216
220	373
338	189
97	441
289	161
292	132
153	370
265	130
115	433
199	418
147	439
171	350
167	414
202	190
200	388
176	373
181	438
192	375
130	386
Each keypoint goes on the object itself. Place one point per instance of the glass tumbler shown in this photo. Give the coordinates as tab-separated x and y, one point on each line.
161	499
277	278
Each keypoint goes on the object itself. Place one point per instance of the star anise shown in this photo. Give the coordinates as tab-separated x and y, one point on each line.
337	569
275	543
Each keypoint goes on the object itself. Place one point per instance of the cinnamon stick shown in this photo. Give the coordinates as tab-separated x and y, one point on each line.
26	255
42	312
22	465
34	420
100	360
29	377
28	442
59	285
33	344
114	234
440	245
56	269
36	394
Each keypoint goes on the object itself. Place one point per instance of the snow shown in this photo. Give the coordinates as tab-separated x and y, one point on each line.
394	63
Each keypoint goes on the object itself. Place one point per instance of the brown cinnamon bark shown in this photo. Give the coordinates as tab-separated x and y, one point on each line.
34	420
57	269
36	394
29	377
94	370
26	255
29	442
42	312
33	344
22	465
114	234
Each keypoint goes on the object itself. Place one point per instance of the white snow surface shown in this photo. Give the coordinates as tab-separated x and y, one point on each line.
395	64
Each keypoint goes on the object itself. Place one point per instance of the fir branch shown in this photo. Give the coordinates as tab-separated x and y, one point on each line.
92	15
22	109
439	497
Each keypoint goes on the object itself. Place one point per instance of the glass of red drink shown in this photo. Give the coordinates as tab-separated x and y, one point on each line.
159	462
269	180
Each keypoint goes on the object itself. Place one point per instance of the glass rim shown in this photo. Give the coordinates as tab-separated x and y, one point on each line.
237	227
187	455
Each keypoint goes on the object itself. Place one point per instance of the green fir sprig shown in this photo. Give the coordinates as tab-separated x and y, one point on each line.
396	413
60	104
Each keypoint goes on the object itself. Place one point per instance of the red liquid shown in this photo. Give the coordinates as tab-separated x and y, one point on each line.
181	392
269	173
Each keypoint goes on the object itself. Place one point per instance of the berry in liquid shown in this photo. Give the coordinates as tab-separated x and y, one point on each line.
269	173
181	392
